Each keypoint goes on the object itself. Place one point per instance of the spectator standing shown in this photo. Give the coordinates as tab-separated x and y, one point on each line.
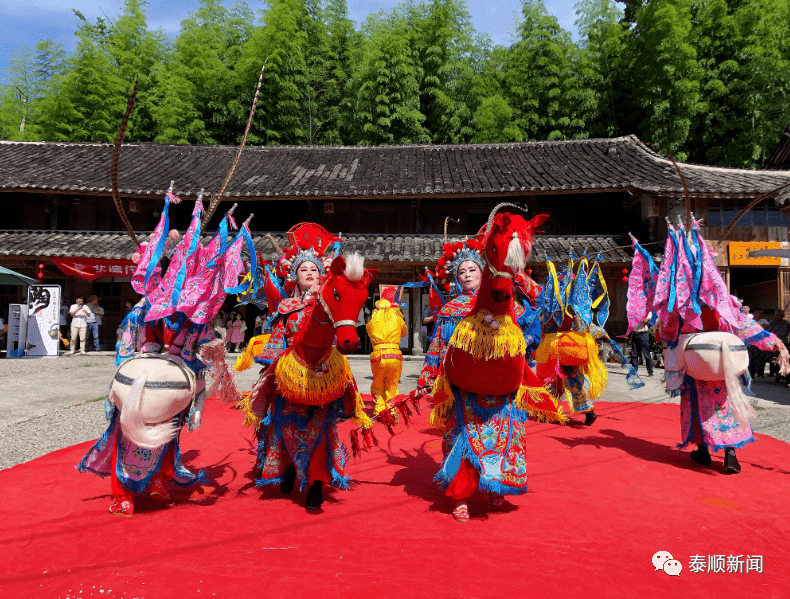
79	324
778	326
127	307
759	316
260	320
427	322
219	324
63	323
94	321
640	344
236	329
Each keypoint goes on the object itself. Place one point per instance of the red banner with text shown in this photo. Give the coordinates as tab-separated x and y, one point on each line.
95	268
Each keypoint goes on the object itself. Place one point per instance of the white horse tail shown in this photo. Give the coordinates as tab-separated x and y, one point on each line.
133	422
742	409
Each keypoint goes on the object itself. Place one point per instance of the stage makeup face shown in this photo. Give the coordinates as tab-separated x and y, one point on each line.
469	276
307	276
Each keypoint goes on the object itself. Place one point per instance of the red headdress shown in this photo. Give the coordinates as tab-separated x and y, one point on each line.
308	242
455	254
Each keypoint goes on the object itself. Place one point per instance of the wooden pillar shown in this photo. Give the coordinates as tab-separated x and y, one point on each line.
784	289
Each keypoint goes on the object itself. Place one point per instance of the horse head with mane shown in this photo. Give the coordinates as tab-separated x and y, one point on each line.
507	244
489	334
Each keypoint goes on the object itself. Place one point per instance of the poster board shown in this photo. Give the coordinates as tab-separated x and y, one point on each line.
43	321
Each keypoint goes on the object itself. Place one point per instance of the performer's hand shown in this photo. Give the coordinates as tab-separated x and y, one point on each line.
194	420
421	392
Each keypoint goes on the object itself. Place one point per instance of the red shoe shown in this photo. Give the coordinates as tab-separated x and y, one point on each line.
122	506
157	489
461	512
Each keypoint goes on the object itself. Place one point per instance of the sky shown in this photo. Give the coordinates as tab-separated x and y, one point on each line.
25	22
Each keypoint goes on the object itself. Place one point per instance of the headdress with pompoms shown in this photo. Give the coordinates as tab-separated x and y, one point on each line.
308	243
454	255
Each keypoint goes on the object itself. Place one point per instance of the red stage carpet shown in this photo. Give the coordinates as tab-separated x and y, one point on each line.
602	501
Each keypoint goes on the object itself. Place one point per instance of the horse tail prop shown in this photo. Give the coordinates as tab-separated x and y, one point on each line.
742	409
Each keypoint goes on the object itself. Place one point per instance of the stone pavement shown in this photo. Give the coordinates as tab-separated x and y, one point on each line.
48	404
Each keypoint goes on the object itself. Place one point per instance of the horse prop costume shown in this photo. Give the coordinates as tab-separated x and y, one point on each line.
485	390
309	388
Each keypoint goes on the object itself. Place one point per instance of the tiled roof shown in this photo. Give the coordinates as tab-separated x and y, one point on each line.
343	171
378	248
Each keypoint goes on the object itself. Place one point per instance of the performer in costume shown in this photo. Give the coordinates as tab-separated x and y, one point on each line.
385	329
290	289
309	388
703	330
575	311
485	390
299	272
138	451
459	272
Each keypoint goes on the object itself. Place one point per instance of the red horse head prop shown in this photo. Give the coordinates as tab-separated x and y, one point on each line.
342	296
506	246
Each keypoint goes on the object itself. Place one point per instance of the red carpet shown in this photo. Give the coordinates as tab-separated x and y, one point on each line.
602	501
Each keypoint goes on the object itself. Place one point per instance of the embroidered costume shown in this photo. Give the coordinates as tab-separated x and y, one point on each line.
576	309
484	390
128	451
704	331
385	329
307	387
309	242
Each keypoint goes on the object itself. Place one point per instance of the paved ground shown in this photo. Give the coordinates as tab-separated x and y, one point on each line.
49	404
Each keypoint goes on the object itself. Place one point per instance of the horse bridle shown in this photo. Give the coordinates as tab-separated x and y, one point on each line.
498	273
328	312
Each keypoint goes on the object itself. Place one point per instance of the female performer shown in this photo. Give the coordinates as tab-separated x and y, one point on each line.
302	267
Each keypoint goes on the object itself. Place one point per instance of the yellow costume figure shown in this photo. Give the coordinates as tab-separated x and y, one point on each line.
385	329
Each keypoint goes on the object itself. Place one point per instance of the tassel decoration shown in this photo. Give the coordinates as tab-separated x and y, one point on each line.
299	382
354	439
387	418
486	337
223	387
443	402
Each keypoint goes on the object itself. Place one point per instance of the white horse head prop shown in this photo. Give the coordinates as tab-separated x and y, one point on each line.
150	391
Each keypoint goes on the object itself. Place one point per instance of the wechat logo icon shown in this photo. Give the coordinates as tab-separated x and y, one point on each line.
663	560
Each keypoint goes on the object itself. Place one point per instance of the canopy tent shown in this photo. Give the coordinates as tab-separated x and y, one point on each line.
11	277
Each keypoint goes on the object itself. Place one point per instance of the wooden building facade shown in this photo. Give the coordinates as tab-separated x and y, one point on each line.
389	203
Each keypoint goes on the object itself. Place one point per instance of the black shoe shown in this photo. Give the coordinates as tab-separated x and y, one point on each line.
289	478
731	465
649	374
701	456
589	418
315	496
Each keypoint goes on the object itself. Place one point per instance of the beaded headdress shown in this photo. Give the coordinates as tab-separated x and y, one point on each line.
308	243
454	255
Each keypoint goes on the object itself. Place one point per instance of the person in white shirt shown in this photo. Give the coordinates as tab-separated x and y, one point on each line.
79	315
94	321
259	321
